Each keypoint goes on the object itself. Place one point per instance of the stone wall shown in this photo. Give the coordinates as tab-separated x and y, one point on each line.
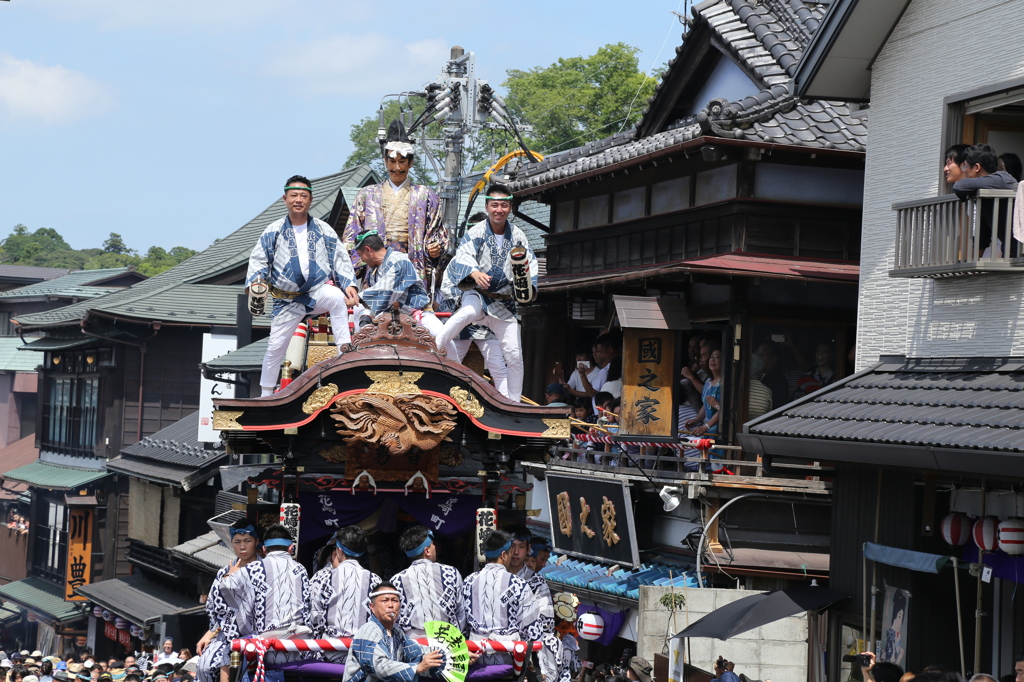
777	651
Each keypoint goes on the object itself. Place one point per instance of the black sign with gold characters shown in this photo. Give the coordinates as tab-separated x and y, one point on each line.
592	518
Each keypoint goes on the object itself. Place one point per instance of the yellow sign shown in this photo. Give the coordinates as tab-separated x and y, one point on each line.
79	568
648	366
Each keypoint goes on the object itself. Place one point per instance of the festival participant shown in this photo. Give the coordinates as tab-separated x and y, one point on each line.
308	272
381	651
540	552
268	596
500	605
482	262
338	609
215	646
389	277
429	590
406	216
551	655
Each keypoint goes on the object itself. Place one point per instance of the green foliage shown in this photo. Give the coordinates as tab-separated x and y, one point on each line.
47	248
367	149
673	601
580	99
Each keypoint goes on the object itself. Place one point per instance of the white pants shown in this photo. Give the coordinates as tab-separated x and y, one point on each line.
330	299
472	311
493	359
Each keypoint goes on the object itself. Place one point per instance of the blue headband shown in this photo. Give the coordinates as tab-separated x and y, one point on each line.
420	548
277	542
248	530
538	546
495	553
521	537
347	551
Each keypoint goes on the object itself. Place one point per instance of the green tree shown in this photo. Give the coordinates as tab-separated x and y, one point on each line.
367	149
115	244
158	259
42	248
580	99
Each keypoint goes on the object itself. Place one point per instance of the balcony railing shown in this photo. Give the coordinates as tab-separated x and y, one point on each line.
945	237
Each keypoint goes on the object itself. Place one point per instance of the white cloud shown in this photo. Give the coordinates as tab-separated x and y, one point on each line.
359	65
50	95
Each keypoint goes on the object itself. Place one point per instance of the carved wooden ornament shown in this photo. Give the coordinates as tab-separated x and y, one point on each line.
398	423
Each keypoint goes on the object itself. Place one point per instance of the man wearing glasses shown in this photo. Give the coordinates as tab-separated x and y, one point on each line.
479	281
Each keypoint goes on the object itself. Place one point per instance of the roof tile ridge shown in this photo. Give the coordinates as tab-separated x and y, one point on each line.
769	40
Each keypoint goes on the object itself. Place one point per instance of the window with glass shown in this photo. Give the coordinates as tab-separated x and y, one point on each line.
50	537
71	402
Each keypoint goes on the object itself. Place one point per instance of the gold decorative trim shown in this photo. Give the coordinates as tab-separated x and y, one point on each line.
224	420
319	398
557	428
394	383
467	401
317	354
334	455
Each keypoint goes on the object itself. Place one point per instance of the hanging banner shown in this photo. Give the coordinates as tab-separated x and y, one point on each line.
289	518
894	626
79	565
486	519
648	374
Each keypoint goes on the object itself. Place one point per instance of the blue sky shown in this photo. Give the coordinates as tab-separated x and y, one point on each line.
173	123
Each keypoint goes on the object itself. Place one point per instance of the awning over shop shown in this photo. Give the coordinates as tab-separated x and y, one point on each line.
42	598
954	415
10	612
245	359
205	551
729	264
136	599
172	455
58	343
53	476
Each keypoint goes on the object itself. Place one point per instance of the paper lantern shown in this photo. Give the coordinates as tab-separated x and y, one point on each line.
136	631
1011	536
81	641
956	529
985	532
590	626
120	623
108	616
32	618
97	611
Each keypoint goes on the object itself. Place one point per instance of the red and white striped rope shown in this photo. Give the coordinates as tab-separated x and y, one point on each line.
698	444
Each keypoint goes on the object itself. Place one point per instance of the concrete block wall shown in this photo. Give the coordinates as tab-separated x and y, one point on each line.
777	651
918	67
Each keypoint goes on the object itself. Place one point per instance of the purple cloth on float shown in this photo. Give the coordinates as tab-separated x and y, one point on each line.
613	622
337	670
491	672
326	512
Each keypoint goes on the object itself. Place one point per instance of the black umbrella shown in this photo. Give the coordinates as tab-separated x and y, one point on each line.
760	609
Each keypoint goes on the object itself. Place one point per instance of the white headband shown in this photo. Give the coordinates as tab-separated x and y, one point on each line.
386	590
396	148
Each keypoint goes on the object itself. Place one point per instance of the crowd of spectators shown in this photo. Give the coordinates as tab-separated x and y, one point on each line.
166	665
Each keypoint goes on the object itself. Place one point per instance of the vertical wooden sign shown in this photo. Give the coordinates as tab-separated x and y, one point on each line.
289	518
79	565
648	374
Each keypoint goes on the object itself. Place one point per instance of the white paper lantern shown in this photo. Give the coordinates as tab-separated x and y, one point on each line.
956	529
108	616
985	533
120	623
1011	536
590	626
97	611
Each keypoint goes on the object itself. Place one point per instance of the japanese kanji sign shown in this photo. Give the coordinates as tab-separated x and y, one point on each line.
79	567
648	374
592	518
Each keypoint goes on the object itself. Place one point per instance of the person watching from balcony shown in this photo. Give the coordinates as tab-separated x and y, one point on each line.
822	375
955	157
982	169
1010	163
585	369
710	414
759	400
696	372
554	395
774	378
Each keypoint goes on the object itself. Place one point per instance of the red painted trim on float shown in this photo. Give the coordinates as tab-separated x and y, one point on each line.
447	398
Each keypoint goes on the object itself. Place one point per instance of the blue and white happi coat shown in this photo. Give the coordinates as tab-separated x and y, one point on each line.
480	250
217	652
275	259
340	607
500	605
376	655
269	594
393	281
429	591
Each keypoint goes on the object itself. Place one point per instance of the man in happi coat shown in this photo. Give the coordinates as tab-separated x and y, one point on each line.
482	265
381	651
389	278
519	555
269	596
406	216
308	271
215	646
500	605
338	609
430	591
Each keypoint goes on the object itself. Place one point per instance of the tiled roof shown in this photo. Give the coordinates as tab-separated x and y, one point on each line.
207	549
53	476
136	599
245	359
11	360
766	38
43	598
968	404
78	284
27	273
176	444
176	296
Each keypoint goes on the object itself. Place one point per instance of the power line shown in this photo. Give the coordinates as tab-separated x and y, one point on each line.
658	56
